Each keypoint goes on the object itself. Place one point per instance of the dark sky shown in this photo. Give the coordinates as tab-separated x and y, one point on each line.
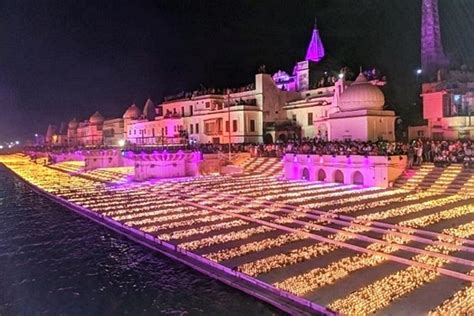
65	59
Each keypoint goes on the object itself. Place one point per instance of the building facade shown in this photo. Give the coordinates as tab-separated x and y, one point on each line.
448	107
309	103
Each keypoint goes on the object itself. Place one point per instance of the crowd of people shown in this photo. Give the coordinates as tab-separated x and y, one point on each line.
441	153
206	91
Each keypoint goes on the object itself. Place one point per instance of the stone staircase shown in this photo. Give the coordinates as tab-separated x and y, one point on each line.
450	180
266	166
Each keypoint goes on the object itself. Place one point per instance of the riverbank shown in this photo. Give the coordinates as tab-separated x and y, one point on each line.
354	249
56	262
279	299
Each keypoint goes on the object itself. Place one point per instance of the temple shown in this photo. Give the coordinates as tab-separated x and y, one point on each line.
315	50
432	53
312	102
448	94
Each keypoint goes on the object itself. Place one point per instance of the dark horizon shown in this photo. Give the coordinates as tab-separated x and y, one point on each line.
63	60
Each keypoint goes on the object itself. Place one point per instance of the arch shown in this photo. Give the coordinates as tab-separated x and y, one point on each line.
268	139
338	176
358	178
305	174
282	138
321	175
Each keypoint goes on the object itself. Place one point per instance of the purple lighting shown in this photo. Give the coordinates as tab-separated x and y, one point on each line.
315	50
432	54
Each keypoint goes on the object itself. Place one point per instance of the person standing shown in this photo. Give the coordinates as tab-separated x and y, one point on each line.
411	156
419	154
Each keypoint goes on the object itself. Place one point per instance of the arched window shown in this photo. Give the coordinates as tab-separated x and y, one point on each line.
305	174
268	139
358	178
339	176
321	175
282	138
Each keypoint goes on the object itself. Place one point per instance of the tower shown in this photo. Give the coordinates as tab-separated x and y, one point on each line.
315	51
432	54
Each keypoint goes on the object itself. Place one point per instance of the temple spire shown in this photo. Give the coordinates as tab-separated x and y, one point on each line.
432	54
315	50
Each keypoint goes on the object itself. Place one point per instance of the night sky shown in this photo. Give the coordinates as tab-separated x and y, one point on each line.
65	59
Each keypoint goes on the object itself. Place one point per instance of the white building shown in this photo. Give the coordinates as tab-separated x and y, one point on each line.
448	107
211	117
309	103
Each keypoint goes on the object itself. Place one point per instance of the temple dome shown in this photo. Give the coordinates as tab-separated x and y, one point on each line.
362	95
133	112
73	124
96	118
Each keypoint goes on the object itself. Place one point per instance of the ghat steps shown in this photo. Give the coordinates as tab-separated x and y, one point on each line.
267	166
427	177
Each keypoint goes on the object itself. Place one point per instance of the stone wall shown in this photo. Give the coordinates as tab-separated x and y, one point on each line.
373	171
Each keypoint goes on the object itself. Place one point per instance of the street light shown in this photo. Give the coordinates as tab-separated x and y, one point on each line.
418	72
121	143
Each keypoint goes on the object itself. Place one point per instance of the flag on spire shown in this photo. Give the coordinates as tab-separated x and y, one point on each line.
315	50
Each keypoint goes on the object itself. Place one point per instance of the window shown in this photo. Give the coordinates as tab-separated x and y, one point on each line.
197	128
234	125
293	117
129	132
208	105
134	132
191	129
420	134
162	131
166	130
227	126
191	110
252	125
153	132
182	111
209	128
310	119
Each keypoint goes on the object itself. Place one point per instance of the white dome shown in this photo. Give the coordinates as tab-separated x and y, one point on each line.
73	124
361	95
96	118
133	112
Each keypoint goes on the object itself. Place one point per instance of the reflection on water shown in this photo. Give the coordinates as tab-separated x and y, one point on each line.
52	261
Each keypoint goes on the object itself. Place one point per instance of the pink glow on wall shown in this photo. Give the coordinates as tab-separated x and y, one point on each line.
295	172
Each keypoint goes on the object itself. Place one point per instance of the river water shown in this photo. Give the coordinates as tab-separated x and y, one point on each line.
55	262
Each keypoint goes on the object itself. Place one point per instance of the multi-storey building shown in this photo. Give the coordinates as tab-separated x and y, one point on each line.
237	115
448	107
96	131
311	102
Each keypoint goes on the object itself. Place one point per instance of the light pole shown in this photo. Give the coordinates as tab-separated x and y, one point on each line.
228	117
418	72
